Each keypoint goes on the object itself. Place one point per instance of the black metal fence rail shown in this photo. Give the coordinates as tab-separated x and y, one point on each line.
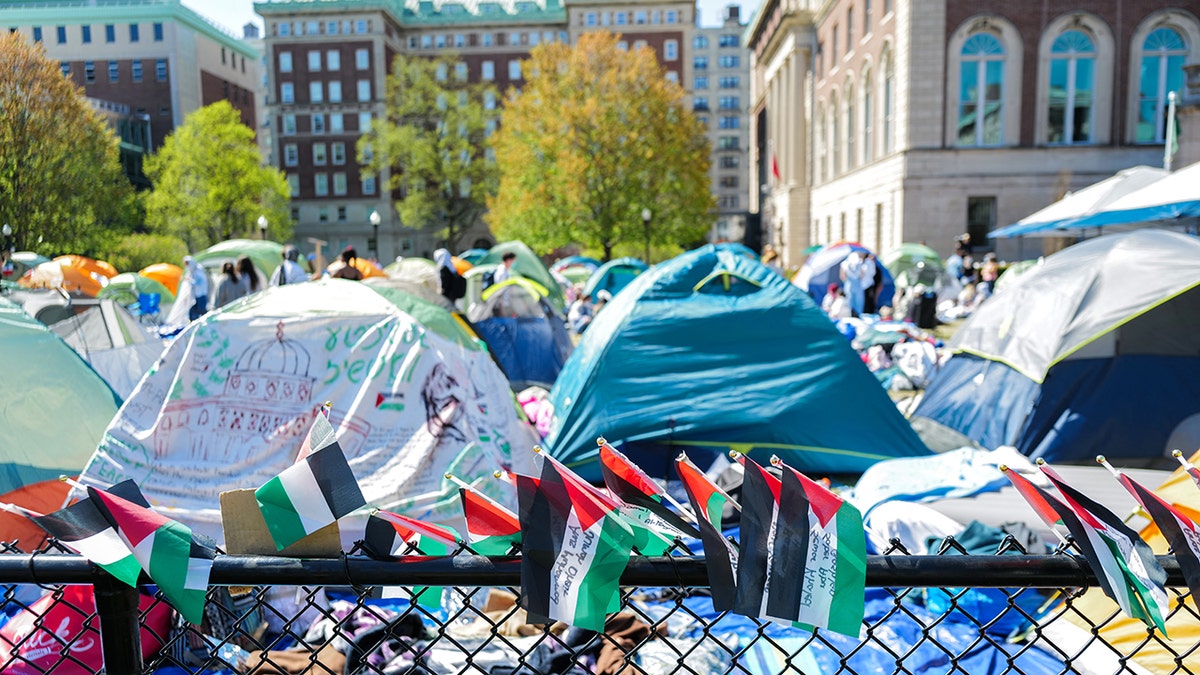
663	625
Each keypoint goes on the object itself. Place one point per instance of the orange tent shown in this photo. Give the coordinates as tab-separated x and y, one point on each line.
166	274
100	267
460	265
44	497
362	265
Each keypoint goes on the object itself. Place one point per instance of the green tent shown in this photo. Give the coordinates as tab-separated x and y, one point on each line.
528	265
127	286
266	255
912	264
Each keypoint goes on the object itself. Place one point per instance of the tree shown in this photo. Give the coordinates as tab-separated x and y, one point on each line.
431	143
135	251
210	183
597	135
61	185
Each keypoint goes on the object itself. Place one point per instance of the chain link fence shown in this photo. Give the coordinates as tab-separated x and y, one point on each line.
945	613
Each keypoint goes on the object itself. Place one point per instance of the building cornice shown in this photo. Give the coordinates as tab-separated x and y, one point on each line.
428	12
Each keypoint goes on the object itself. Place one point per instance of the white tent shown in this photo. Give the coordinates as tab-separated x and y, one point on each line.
1062	214
1175	197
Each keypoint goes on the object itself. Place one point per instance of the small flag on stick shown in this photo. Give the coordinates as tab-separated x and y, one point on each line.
491	528
628	482
1187	466
390	534
310	494
720	555
82	528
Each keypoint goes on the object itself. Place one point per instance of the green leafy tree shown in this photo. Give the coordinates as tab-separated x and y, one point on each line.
133	252
597	135
61	185
431	146
210	183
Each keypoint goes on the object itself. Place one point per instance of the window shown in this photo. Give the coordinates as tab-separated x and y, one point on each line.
314	61
158	32
439	41
639	18
1072	85
670	50
319	156
331	28
700	83
135	68
981	218
460	71
85	32
312	27
333	59
851	131
866	17
730	103
533	37
66	68
337	153
160	70
835	139
321	184
335	91
293	185
368	185
700	42
619	18
638	44
1163	55
671	16
364	90
486	40
868	113
981	91
316	92
289	124
460	40
61	32
672	76
833	53
728	122
336	124
287	93
339	183
728	40
360	26
489	100
362	59
487	71
291	155
341	213
224	56
700	103
364	122
37	33
133	32
887	7
89	71
110	33
114	71
426	42
850	29
730	82
728	181
589	19
285	62
700	62
889	106
727	143
623	46
514	70
728	61
318	124
284	29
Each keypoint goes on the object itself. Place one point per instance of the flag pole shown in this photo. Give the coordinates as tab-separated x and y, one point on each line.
467	486
73	483
1004	468
19	510
731	500
1187	466
1168	151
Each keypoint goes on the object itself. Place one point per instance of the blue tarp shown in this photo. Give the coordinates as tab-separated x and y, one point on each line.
711	351
523	332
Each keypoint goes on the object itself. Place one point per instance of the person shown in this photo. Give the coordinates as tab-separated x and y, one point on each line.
831	293
870	274
289	271
452	284
581	313
345	268
247	275
198	279
230	287
838	306
602	298
851	271
504	271
988	273
770	258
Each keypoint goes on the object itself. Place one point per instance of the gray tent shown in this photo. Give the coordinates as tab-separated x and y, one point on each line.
110	338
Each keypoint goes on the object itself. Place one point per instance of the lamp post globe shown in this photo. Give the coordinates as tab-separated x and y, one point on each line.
262	227
375	219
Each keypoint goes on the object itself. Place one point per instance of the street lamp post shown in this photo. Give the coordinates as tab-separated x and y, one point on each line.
7	252
375	220
262	227
646	216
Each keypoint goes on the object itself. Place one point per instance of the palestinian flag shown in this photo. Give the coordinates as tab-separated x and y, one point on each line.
82	528
388	534
720	554
320	435
1188	466
309	495
1128	571
631	485
164	548
830	554
1180	531
574	550
760	511
1041	503
491	528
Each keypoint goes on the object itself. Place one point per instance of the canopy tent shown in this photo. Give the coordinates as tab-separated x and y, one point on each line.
109	338
414	395
54	413
266	256
1061	217
1091	352
1168	200
528	265
822	268
712	351
911	264
524	333
23	261
614	275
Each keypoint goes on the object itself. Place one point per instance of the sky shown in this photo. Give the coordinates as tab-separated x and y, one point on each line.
233	14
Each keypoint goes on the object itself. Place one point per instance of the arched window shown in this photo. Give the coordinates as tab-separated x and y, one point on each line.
1072	88
821	145
835	138
981	91
868	120
851	130
889	106
1163	55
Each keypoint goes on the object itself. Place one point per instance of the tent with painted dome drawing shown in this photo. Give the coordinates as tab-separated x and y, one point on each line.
414	395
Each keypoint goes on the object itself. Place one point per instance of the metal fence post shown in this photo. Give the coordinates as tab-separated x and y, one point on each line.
120	633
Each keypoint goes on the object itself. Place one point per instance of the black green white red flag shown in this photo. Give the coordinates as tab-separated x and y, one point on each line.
82	528
720	554
392	534
309	495
491	528
631	485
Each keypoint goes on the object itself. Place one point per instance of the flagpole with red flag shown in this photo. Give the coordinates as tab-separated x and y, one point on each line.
1187	466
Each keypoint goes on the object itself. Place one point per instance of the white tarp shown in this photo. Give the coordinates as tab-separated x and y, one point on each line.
1050	221
235	393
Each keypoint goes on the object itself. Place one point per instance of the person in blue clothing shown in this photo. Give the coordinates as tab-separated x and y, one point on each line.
198	279
854	284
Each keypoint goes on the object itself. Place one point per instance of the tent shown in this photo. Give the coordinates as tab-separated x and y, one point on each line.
54	415
740	249
166	274
100	267
614	275
472	255
23	261
528	265
1059	218
1092	352
127	286
266	256
523	332
712	351
911	264
822	268
1165	201
109	338
414	395
576	268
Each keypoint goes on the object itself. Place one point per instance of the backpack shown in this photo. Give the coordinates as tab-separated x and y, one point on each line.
489	278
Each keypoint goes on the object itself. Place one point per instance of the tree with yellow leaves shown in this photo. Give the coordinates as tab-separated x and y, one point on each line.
597	137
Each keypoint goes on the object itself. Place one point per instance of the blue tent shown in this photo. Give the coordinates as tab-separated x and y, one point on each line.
712	351
614	275
524	333
1095	351
822	268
